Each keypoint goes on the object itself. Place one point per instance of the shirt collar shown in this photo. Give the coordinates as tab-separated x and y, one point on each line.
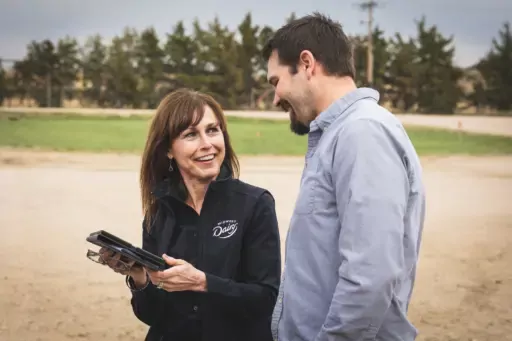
339	106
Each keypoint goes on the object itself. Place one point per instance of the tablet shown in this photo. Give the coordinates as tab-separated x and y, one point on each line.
142	257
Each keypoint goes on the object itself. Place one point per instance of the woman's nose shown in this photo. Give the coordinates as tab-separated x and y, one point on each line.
206	142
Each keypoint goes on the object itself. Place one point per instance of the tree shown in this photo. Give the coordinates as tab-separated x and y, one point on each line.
3	84
496	68
39	73
247	52
67	69
94	77
261	64
122	80
220	55
437	77
291	18
22	79
403	72
182	66
149	61
136	70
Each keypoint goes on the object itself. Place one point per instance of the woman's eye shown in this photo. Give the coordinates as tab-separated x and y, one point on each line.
190	135
213	130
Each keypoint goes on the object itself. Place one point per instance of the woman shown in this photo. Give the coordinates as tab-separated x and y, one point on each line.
218	234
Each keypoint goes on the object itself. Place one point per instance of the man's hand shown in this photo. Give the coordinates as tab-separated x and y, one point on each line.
182	276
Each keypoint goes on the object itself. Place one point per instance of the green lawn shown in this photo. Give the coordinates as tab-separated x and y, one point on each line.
249	136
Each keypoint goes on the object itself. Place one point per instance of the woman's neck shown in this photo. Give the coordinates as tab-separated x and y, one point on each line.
196	193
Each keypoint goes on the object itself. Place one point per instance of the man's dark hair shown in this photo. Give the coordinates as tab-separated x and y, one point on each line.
320	35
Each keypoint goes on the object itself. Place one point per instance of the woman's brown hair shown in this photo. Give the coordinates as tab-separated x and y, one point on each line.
176	112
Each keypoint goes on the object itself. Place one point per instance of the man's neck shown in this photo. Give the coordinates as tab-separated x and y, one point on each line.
332	90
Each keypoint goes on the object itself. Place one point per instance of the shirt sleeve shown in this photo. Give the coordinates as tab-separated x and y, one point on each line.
371	186
147	303
261	264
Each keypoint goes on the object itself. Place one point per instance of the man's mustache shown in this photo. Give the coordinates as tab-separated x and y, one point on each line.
284	105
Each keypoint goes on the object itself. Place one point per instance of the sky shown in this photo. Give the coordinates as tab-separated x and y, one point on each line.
472	23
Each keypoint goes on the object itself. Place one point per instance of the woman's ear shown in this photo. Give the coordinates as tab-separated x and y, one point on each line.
169	155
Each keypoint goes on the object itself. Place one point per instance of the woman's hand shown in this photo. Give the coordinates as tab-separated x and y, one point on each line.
124	266
182	276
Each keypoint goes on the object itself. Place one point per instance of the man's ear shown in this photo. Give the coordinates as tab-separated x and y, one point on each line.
307	61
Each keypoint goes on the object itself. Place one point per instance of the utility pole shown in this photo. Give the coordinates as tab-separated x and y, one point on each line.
369	6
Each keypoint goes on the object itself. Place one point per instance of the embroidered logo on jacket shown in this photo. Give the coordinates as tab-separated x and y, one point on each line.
225	229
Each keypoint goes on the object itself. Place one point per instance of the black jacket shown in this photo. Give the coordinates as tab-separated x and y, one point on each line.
235	241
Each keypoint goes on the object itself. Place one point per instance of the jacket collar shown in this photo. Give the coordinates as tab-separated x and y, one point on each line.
165	188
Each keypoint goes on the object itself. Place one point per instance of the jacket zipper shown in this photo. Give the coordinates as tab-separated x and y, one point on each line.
201	233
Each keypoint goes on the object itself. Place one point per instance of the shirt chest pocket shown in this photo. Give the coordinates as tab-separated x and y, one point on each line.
316	193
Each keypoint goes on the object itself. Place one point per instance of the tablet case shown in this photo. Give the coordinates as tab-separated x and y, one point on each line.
104	239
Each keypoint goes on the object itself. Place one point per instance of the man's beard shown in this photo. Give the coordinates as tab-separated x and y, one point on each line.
296	126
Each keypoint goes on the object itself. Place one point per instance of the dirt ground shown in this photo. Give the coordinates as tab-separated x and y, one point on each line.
50	202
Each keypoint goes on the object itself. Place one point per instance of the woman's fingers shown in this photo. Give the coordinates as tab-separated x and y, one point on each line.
175	287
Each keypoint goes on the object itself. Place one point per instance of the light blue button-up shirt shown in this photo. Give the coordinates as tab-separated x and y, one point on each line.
354	237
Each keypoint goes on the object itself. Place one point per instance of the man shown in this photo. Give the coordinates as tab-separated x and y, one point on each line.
354	237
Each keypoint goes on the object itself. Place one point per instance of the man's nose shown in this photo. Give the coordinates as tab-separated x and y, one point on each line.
276	100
